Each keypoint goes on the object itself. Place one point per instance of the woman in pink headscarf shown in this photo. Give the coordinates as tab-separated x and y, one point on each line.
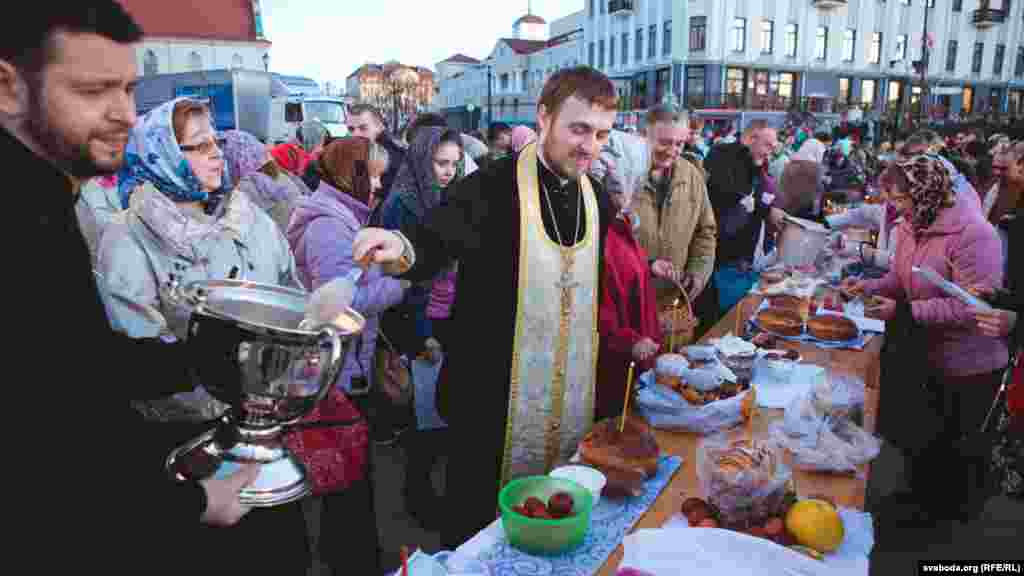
521	136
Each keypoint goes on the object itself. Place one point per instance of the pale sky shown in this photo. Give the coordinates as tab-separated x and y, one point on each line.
328	39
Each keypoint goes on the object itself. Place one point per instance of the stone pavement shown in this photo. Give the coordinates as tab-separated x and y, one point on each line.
396	528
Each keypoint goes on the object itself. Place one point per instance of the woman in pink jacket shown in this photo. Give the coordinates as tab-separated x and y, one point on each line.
940	387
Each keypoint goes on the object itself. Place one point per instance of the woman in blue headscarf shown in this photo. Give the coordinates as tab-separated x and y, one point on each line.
183	223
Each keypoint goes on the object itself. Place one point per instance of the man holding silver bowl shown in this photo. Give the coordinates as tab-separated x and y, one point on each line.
67	106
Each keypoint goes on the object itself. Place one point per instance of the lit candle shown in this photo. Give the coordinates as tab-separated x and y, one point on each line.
674	316
625	404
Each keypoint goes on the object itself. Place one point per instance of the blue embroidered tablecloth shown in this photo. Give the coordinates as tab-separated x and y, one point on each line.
609	523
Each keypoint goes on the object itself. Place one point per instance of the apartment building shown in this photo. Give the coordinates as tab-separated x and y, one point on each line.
517	68
822	55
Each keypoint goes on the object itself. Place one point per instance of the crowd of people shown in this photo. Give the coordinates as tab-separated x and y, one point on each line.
503	259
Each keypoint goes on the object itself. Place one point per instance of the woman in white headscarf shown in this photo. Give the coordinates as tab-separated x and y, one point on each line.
803	180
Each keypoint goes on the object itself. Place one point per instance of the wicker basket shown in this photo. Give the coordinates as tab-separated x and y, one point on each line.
681	322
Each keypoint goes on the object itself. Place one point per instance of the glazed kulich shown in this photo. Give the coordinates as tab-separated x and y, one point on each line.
668	369
780	321
626	458
698	397
832	328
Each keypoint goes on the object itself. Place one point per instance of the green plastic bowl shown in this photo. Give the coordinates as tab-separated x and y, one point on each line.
537	535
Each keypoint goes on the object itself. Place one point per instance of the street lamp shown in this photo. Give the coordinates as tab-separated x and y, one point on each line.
490	118
266	61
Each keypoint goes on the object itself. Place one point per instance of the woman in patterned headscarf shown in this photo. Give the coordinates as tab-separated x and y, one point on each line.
956	369
185	222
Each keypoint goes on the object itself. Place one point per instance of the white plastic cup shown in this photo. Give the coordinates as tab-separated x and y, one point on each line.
590	478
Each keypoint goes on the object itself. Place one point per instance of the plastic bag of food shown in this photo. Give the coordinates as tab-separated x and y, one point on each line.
819	427
665	408
745	479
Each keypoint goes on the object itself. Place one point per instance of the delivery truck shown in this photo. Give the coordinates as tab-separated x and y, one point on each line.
331	112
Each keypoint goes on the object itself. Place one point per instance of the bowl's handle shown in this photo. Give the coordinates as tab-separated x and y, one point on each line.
329	335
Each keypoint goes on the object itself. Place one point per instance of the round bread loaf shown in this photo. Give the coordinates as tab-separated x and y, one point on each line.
626	457
832	328
785	302
780	321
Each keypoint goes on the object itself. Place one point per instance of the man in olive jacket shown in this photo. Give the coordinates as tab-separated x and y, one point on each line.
677	223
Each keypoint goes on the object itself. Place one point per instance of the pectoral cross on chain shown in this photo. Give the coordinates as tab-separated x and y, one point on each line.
566	284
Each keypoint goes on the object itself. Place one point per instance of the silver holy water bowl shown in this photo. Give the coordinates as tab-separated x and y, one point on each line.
273	373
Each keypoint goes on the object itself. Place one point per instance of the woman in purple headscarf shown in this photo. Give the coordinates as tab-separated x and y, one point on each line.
252	170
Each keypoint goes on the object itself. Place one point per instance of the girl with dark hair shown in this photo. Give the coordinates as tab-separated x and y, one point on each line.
421	326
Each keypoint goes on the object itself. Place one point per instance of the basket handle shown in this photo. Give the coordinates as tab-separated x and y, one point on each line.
689	307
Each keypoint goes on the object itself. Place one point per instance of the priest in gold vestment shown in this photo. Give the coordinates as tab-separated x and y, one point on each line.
528	233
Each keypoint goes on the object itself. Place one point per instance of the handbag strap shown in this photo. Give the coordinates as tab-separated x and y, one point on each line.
299	426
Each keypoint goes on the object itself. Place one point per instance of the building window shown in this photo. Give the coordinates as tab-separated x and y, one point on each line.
979	53
875	53
905	2
867	92
590	54
739	34
150	66
195	62
652	40
600	53
997	63
698	32
611	51
236	61
895	94
821	43
695	86
767	36
844	90
735	86
901	47
1019	69
782	84
625	48
638	50
951	56
849	44
666	38
523	79
958	5
591	11
504	82
791	30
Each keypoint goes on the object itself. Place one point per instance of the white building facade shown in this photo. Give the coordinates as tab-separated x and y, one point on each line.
198	35
517	67
170	55
823	55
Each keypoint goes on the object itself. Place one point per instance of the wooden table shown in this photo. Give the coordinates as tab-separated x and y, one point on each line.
844	490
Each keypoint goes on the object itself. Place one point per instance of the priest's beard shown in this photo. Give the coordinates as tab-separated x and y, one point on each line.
73	157
565	168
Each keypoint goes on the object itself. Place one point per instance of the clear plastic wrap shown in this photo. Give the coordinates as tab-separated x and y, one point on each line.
819	427
665	409
746	480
